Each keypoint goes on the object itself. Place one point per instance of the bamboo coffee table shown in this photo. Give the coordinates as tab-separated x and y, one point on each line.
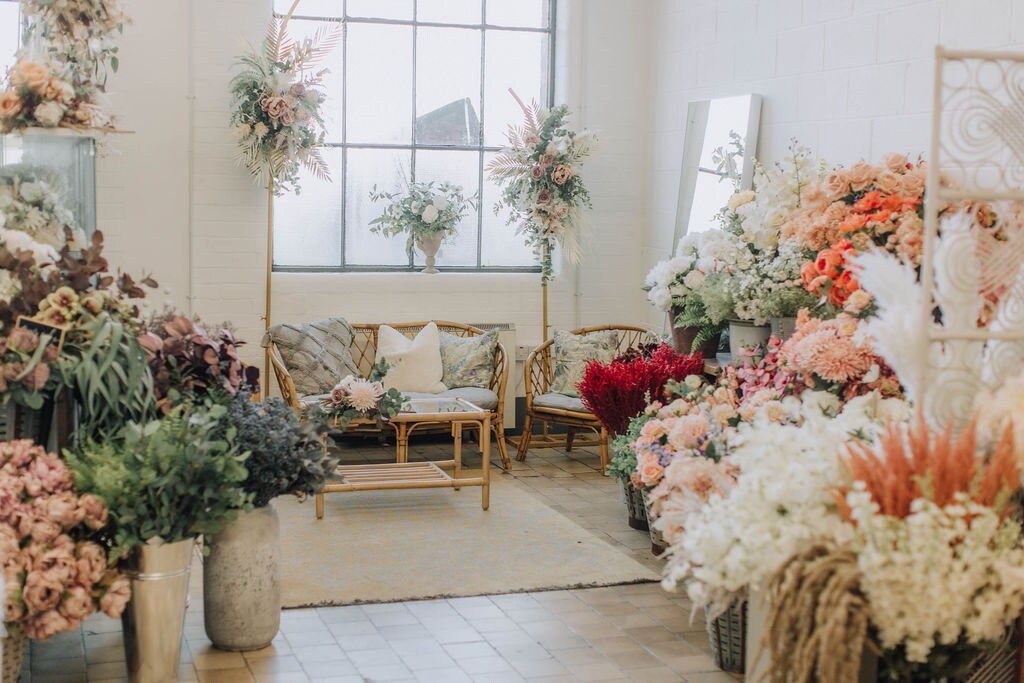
402	474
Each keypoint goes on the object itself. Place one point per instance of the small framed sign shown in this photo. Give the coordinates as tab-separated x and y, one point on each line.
56	332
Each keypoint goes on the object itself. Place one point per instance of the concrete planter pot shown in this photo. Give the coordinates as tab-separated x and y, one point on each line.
429	243
744	334
242	582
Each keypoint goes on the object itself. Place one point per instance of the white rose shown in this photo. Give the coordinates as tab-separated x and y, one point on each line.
49	114
694	279
694	381
740	198
429	214
441	203
31	192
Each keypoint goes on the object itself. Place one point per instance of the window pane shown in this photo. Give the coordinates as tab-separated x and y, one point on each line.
332	80
307	226
532	13
448	86
310	8
460	168
10	29
387	169
449	11
379	83
381	9
515	60
501	245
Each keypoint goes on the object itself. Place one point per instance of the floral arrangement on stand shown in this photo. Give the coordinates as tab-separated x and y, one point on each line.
32	200
60	75
55	573
355	397
276	107
429	213
539	172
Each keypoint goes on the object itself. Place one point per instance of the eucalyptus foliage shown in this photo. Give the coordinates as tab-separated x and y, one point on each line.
166	479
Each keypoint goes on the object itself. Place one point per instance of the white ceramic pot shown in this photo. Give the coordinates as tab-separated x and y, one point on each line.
743	334
429	243
242	582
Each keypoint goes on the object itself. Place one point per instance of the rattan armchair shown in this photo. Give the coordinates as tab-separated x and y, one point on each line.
364	353
538	377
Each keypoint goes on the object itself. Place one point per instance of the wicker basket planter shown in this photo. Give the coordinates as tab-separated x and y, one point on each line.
727	634
658	545
13	655
637	513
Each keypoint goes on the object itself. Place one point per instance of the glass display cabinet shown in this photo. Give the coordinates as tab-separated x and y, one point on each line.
48	180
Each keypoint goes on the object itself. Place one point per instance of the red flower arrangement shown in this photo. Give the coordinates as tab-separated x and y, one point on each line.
618	391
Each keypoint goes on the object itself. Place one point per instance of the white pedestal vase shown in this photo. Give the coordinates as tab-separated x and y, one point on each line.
154	619
242	582
743	334
429	243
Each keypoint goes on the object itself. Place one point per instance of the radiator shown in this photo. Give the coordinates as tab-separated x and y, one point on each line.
507	337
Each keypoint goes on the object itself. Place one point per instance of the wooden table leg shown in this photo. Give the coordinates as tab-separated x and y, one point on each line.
319	506
402	440
457	436
485	446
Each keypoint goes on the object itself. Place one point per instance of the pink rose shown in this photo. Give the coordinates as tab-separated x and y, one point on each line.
297	90
42	592
94	512
543	197
47	625
63	508
58	565
649	469
92	563
537	172
77	604
287	117
688	432
547	159
117	596
274	106
561	210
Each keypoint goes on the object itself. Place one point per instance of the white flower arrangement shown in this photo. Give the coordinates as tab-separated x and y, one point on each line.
781	500
422	209
32	201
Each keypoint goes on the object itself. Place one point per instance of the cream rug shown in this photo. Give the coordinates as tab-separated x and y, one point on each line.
383	546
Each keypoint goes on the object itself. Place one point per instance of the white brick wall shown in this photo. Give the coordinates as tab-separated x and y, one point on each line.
153	187
849	78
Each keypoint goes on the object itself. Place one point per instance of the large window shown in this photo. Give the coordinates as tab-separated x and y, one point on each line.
417	91
10	33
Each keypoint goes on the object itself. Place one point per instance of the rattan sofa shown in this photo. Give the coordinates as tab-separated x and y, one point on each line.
551	408
364	353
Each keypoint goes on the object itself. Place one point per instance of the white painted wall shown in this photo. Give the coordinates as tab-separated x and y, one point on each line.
851	79
177	175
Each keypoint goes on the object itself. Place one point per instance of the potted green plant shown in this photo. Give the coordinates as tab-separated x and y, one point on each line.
164	483
241	575
429	213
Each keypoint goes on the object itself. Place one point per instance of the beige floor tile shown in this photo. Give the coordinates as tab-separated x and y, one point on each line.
226	676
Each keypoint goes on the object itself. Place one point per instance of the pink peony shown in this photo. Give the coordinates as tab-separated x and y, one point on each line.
94	512
92	563
40	529
19	453
57	564
77	604
11	490
50	473
42	592
9	542
62	508
117	596
47	625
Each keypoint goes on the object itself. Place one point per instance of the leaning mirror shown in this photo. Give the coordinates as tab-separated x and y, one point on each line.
718	150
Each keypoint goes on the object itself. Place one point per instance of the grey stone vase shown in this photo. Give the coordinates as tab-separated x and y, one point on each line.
242	582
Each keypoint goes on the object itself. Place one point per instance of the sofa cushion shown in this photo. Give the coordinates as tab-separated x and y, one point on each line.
468	361
317	354
559	402
481	398
570	354
415	364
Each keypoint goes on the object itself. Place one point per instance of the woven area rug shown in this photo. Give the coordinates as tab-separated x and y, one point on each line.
383	546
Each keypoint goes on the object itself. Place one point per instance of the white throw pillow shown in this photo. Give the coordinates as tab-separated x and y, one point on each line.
415	364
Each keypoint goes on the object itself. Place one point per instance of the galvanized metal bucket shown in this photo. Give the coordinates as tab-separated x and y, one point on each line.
154	619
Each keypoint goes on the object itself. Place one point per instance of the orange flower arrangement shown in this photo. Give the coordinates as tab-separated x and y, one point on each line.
829	276
907	465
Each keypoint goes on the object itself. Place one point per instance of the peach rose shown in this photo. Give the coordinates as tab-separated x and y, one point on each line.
91	563
561	174
889	182
41	592
857	302
47	625
32	75
650	471
895	162
274	106
860	176
688	432
837	185
10	104
77	604
813	196
912	183
652	431
117	596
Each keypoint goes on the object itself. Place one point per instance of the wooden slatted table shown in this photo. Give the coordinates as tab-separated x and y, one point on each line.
422	475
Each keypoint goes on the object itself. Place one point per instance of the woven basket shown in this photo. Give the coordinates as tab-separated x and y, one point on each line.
728	636
634	506
658	545
1000	664
14	655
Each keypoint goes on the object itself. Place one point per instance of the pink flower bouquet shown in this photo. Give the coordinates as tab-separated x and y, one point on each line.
54	575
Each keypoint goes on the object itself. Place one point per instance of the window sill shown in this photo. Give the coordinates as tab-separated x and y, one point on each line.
364	270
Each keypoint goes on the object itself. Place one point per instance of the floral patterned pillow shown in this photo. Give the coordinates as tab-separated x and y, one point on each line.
570	354
468	361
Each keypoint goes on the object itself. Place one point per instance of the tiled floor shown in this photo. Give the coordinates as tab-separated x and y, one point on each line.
623	633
